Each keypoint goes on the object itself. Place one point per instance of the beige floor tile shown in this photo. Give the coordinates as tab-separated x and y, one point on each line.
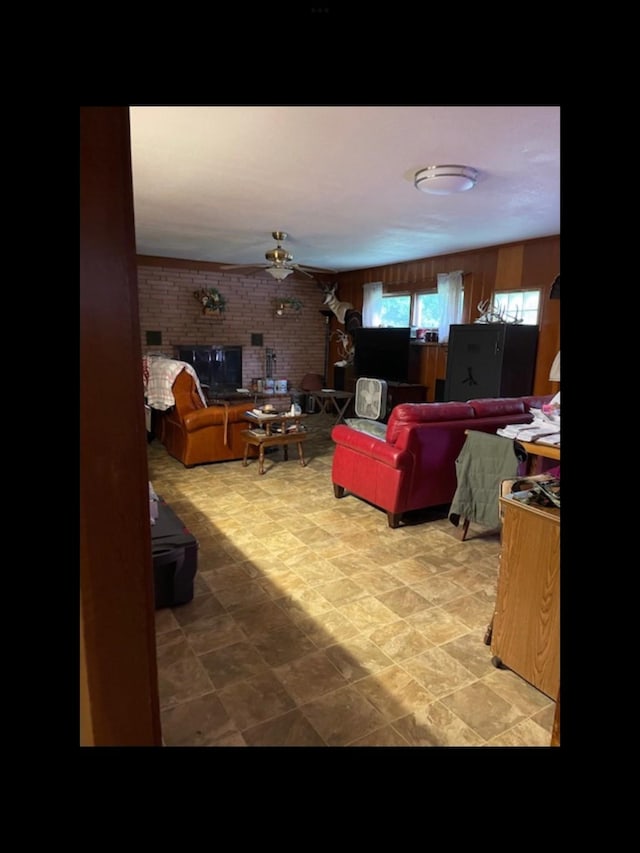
341	591
278	584
518	692
403	601
375	581
182	680
438	589
165	621
526	733
259	620
318	572
327	628
436	726
253	701
342	716
309	677
201	607
236	597
291	729
233	663
399	640
297	592
474	610
409	572
471	580
357	657
205	635
394	693
231	739
225	577
283	645
303	602
439	672
472	653
483	710
197	722
169	638
437	625
386	736
367	613
544	717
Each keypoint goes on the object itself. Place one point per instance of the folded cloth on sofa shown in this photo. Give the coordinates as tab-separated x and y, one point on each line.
374	428
161	375
484	461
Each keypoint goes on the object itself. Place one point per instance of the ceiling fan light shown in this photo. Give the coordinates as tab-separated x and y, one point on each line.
445	180
279	272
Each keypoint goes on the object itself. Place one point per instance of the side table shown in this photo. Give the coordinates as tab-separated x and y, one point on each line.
339	399
273	431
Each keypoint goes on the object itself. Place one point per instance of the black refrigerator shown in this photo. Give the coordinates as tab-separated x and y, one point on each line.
490	360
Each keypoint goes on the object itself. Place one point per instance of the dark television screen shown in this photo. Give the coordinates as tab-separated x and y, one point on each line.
382	353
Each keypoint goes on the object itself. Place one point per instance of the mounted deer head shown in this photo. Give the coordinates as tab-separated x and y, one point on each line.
339	308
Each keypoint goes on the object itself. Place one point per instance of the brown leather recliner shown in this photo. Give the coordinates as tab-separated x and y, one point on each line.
195	433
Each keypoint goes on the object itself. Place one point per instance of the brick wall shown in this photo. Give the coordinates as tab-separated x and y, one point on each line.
167	305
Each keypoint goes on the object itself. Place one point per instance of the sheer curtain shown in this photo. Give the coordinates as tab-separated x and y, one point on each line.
450	293
372	303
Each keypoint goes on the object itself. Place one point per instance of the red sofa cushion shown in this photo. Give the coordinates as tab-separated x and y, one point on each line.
491	406
407	413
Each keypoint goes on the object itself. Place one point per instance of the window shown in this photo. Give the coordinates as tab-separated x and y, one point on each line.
396	310
520	304
427	310
419	309
423	309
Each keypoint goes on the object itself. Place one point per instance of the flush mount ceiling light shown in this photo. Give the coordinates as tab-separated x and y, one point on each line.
445	180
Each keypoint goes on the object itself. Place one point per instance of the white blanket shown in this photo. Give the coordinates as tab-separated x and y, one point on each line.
159	375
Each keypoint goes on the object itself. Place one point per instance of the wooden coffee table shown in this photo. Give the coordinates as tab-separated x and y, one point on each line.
263	435
262	441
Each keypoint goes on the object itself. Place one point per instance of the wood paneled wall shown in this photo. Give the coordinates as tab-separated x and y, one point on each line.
526	265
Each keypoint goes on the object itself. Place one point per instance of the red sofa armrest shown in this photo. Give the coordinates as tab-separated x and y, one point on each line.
367	445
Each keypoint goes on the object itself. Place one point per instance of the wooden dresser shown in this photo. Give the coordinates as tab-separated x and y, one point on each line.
526	624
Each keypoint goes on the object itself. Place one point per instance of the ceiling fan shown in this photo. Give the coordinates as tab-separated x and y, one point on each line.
280	262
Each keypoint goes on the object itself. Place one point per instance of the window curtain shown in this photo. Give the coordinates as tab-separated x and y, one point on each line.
450	293
372	303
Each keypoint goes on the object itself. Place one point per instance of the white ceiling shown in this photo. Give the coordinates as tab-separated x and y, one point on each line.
211	183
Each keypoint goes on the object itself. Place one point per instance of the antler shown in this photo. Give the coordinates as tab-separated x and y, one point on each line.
345	344
490	314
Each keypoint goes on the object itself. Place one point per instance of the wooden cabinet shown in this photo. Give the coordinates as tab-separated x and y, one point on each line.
399	392
428	367
526	624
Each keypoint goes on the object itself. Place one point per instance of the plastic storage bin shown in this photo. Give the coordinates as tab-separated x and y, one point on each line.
175	559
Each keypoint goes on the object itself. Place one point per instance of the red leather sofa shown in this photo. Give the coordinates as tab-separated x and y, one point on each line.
413	467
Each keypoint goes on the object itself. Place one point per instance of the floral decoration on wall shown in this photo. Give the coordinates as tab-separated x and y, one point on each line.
210	299
291	303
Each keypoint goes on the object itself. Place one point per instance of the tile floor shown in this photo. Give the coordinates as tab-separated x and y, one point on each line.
315	624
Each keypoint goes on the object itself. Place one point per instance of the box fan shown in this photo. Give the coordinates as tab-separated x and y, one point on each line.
371	398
